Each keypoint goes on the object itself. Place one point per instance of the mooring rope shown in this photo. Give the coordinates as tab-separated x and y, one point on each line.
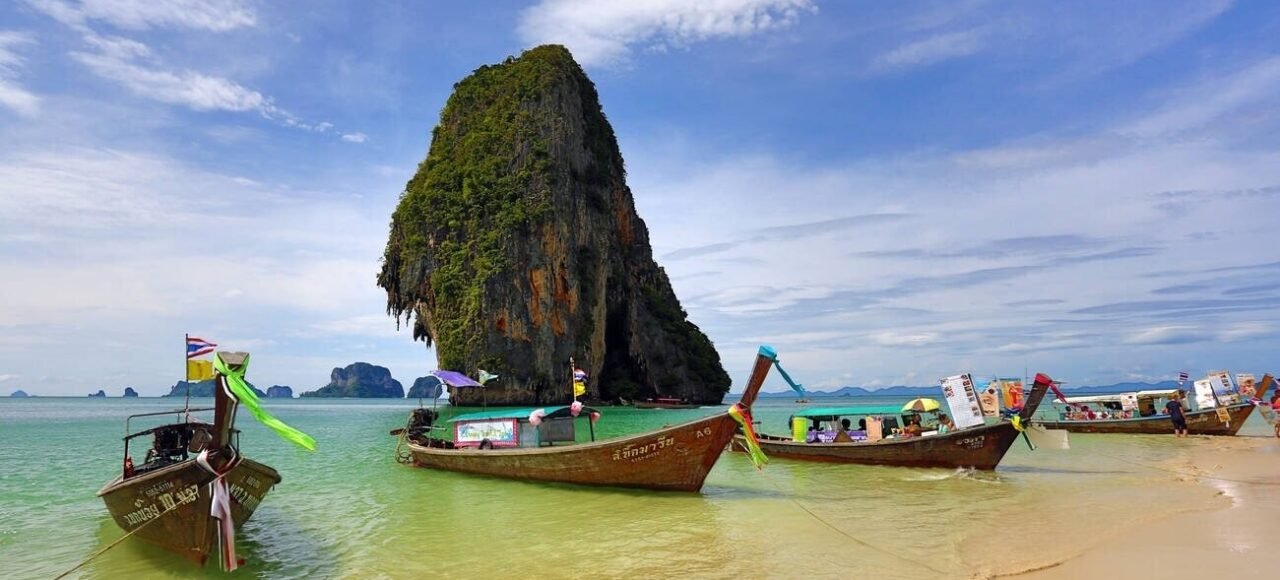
118	540
851	537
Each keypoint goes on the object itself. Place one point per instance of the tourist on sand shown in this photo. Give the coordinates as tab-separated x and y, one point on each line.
1177	416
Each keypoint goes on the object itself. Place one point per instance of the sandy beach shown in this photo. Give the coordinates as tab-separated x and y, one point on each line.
1229	540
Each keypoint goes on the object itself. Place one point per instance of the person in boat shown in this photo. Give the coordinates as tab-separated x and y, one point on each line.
1177	416
913	427
812	436
945	424
1275	406
842	434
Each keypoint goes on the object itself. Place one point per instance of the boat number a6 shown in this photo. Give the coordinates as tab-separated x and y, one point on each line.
972	442
704	432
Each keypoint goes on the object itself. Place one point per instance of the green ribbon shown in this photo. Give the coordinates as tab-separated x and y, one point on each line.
249	399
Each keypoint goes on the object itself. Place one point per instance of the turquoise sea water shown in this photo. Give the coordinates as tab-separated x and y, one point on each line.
350	510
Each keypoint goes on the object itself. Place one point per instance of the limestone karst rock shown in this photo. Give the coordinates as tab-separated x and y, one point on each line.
517	246
360	380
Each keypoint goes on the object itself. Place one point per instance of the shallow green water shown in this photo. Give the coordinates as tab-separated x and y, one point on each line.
350	510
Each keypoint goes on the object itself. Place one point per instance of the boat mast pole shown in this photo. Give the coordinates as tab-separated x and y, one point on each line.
573	392
186	373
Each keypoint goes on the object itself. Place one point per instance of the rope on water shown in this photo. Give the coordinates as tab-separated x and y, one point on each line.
118	540
865	543
851	537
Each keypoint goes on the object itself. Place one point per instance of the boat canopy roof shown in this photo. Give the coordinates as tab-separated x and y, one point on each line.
820	412
522	413
1156	394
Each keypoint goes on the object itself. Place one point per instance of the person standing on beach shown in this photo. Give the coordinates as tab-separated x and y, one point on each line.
1177	416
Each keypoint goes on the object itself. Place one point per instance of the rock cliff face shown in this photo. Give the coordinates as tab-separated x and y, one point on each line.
426	388
129	392
279	392
517	246
361	380
201	389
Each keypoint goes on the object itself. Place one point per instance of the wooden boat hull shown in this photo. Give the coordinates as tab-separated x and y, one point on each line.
670	459
188	530
1204	422
977	448
644	405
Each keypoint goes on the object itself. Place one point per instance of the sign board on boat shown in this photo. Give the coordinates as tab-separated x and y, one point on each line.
989	399
500	432
1012	393
1204	394
962	399
1129	401
1248	385
1225	387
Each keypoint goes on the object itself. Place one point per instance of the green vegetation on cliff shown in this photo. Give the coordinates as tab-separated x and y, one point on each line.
516	246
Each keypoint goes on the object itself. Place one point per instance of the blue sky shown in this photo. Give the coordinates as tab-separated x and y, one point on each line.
888	193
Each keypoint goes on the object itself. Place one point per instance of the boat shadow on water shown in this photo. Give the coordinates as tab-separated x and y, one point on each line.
271	545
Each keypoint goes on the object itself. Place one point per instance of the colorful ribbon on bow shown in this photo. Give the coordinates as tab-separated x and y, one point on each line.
242	391
220	509
742	415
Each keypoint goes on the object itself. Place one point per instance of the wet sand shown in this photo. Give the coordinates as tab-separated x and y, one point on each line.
1235	537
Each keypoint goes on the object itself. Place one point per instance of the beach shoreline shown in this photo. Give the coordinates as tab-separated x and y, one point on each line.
1227	540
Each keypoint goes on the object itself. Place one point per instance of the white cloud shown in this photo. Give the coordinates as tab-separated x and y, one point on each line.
7	377
1172	334
211	15
1245	330
937	48
906	339
1211	99
604	33
12	94
355	137
195	90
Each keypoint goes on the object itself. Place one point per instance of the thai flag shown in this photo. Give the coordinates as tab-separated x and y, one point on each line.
1183	376
199	346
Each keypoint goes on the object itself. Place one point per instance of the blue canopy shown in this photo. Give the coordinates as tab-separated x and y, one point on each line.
522	413
821	412
455	379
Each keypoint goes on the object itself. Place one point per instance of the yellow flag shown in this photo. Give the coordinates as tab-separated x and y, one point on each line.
199	370
579	388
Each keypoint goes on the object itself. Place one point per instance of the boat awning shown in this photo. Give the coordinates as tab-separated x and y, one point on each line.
1116	397
522	413
455	379
821	412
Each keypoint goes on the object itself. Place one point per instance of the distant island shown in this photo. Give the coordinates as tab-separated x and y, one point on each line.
279	392
129	392
18	394
360	380
428	387
936	391
100	393
201	389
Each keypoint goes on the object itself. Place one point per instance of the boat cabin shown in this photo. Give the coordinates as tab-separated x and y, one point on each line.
520	428
866	423
166	444
1132	405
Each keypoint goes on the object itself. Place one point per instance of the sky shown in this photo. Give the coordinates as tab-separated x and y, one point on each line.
887	193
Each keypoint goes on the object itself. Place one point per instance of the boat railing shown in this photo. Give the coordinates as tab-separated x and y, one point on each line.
186	410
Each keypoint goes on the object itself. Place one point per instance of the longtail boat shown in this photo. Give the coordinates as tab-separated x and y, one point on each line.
978	447
1200	422
666	403
190	465
523	444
